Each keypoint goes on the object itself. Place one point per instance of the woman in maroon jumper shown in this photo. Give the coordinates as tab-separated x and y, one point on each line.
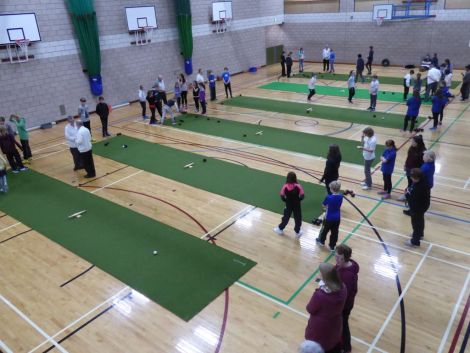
326	309
347	271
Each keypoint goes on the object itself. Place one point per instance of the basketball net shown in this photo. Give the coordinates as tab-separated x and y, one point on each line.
18	51
143	35
380	20
222	25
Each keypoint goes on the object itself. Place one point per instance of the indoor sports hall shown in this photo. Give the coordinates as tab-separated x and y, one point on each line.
169	241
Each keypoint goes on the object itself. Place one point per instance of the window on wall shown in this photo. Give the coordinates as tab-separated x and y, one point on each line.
309	6
457	4
368	5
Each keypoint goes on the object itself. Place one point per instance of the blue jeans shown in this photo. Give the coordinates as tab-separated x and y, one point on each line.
3	184
367	166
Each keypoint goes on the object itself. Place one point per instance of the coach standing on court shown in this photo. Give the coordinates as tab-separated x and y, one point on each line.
370	59
70	137
83	141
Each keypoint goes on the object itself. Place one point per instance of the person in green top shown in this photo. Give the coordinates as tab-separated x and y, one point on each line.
20	124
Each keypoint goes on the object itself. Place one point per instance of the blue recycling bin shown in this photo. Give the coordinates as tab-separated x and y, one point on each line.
96	85
188	66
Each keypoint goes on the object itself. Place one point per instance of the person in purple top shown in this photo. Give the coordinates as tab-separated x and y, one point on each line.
326	310
348	270
202	97
388	164
332	205
413	103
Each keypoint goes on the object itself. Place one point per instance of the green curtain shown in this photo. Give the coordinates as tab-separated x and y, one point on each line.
184	24
86	28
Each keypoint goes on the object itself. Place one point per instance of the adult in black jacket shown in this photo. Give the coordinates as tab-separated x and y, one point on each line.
102	110
418	196
359	67
152	104
289	63
465	89
333	161
370	59
283	63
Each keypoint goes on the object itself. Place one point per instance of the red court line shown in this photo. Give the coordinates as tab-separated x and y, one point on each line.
460	326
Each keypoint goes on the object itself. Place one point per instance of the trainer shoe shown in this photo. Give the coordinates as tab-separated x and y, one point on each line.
386	196
410	244
278	230
407	212
319	242
23	169
299	234
363	183
433	128
331	248
15	171
381	192
365	187
402	198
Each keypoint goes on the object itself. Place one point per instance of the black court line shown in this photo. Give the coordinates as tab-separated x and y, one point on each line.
244	214
465	339
74	278
85	324
102	176
17	235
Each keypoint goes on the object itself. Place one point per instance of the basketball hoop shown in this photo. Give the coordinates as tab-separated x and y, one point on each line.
18	51
380	20
143	35
222	25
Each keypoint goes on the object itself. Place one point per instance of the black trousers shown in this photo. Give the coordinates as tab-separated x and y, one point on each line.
178	102
431	88
158	105
203	106
283	69
311	94
77	163
196	103
228	88
369	67
327	184
14	159
359	74
387	183
288	211
435	118
328	226
412	120
465	90
88	163
336	349
26	149
87	125
163	96
213	94
289	70
144	108
153	120
373	100
406	90
346	332
104	125
417	222
441	114
352	92
184	98
408	178
326	65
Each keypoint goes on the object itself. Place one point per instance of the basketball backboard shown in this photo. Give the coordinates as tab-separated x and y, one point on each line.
15	27
382	11
221	11
140	17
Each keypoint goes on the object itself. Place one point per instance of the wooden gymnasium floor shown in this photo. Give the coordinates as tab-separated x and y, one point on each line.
265	310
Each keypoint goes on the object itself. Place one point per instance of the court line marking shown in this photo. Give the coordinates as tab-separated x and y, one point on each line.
4	347
117	181
466	183
226	221
45	148
49	154
31	323
454	314
407	237
13	225
397	302
295	311
112	298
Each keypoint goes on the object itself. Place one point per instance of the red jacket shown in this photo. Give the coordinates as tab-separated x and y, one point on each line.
325	325
349	277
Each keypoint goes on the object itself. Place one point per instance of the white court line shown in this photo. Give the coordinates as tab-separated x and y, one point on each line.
466	183
49	154
407	237
45	148
5	348
454	313
250	208
117	181
397	303
13	225
112	298
36	327
304	315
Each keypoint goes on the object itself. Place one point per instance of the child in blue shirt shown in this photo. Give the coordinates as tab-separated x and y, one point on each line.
437	108
332	60
413	103
227	85
332	205
212	80
428	167
388	164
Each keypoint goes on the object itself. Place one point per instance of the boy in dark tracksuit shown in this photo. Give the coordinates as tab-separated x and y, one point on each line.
283	64
332	204
292	194
359	68
196	96
289	63
102	110
418	196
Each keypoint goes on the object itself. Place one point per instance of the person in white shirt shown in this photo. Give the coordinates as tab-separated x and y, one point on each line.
369	143
83	113
83	141
434	76
351	85
326	58
159	86
448	78
143	101
407	84
70	136
199	77
301	55
311	86
373	90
